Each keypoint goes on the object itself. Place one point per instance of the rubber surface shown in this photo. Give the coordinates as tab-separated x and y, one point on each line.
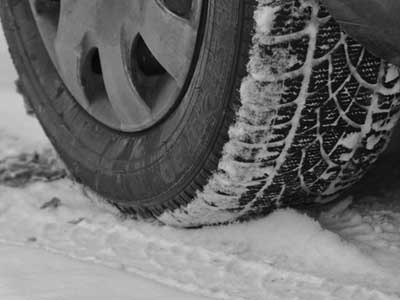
375	23
143	174
315	111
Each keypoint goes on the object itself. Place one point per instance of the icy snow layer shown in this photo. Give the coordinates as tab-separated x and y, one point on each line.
33	274
304	76
286	256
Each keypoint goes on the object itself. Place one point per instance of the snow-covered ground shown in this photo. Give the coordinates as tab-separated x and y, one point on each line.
59	241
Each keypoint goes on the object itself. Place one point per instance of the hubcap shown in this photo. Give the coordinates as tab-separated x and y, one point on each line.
126	61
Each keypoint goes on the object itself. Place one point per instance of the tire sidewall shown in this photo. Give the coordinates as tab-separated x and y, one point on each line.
153	165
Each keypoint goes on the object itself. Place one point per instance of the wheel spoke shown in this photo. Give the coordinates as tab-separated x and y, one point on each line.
72	42
170	38
47	13
127	103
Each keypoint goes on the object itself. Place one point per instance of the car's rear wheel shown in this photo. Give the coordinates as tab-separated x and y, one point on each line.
149	103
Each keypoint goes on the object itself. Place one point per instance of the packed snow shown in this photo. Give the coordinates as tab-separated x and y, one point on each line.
60	241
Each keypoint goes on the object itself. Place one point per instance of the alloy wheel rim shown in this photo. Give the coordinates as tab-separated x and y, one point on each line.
126	62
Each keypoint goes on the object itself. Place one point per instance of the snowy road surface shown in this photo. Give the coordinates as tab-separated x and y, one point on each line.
29	274
58	241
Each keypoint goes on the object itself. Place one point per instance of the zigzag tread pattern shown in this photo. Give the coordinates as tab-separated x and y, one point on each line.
317	110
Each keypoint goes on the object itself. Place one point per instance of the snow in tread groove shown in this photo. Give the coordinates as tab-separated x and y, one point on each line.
229	193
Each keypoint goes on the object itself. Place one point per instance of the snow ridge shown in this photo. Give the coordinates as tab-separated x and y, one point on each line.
372	230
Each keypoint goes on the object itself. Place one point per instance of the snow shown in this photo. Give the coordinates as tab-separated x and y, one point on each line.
30	274
264	17
13	121
78	247
285	255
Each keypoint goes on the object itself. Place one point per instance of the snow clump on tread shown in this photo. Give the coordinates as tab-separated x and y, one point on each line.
316	111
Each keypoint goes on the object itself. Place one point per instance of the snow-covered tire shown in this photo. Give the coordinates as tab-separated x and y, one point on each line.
314	111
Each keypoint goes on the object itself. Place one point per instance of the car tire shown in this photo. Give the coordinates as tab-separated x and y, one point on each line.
278	112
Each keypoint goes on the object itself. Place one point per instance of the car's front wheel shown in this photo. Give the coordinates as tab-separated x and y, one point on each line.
203	111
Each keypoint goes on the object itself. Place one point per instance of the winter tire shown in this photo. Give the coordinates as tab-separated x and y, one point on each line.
204	113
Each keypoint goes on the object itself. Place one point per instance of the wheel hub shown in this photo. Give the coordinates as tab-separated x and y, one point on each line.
126	62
